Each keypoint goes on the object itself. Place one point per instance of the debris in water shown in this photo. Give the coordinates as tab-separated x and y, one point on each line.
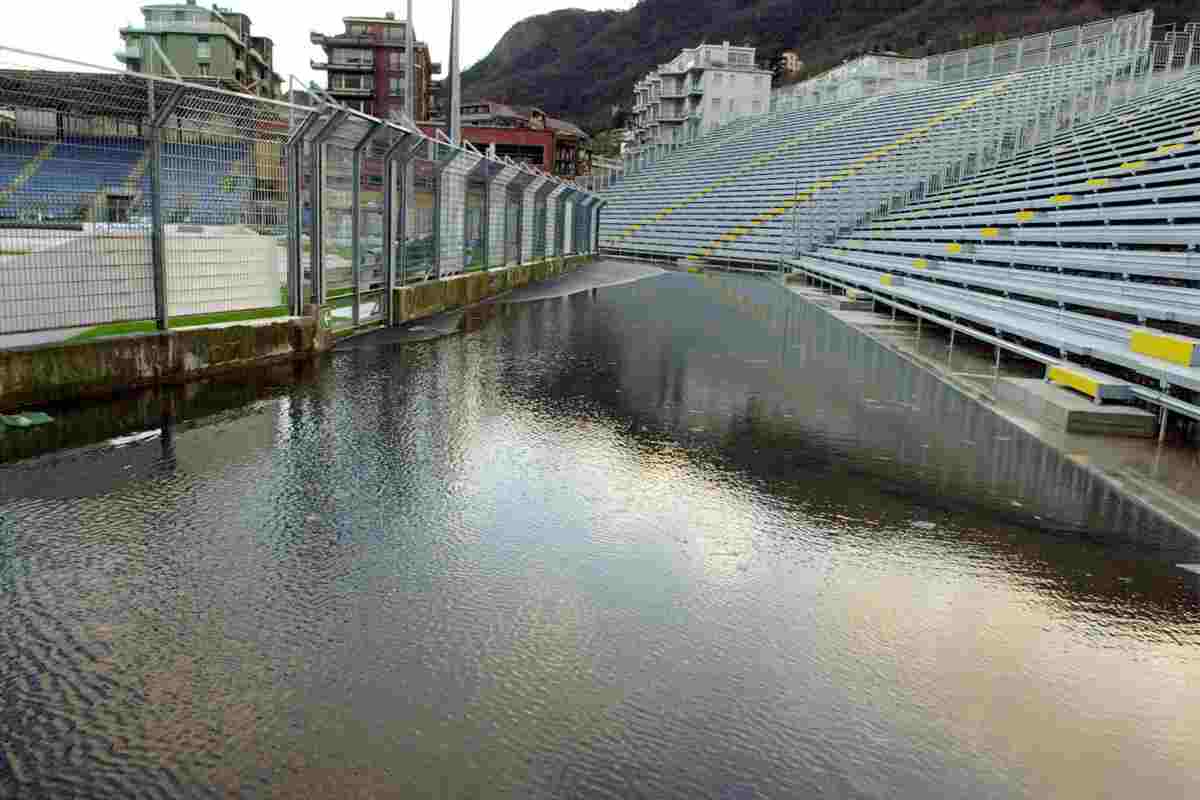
924	525
27	420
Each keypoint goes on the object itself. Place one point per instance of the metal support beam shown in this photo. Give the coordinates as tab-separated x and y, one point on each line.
315	192
158	114
295	155
356	213
402	159
390	185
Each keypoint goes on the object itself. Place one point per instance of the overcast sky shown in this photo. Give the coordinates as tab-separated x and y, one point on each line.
87	31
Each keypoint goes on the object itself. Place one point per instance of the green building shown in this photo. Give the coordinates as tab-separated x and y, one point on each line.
204	45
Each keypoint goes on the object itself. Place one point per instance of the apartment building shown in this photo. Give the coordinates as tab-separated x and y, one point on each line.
369	68
200	44
701	88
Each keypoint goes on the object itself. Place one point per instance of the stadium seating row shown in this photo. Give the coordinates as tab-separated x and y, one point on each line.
63	179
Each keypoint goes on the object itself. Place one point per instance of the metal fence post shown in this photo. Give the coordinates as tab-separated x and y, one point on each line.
390	185
316	190
158	243
355	212
295	156
404	162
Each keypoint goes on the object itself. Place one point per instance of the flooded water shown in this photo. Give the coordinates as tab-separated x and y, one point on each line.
688	537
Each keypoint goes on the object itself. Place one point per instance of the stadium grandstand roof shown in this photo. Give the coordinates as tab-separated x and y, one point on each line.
120	95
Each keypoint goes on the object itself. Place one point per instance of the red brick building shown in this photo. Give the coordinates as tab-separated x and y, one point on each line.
368	66
524	134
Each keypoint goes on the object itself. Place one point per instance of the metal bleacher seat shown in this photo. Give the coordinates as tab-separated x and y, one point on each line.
65	183
1082	243
1057	205
734	202
1132	214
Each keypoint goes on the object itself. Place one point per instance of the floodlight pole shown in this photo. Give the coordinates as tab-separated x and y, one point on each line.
455	110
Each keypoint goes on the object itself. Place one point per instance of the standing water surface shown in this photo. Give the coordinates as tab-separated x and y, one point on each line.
687	537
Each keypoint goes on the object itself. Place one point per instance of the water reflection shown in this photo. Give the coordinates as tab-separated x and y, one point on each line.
659	542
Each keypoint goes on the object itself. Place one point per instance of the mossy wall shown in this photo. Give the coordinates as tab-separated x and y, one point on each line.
433	297
38	375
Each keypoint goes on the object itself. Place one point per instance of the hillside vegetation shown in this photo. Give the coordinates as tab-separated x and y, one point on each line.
579	64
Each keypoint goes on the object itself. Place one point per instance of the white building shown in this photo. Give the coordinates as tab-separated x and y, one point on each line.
701	88
867	76
886	73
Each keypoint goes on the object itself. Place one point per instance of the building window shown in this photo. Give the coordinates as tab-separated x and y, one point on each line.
203	48
758	82
732	105
356	28
756	107
716	80
346	55
396	86
716	104
396	61
394	32
348	81
202	70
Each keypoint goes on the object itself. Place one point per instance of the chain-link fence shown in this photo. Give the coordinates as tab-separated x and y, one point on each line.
127	198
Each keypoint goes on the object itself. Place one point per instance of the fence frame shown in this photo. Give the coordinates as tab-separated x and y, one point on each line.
299	167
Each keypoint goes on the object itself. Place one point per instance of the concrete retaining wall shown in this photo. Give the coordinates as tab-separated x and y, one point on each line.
99	367
44	374
433	297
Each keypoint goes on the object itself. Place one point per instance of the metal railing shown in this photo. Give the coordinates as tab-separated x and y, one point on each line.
1053	99
876	73
127	198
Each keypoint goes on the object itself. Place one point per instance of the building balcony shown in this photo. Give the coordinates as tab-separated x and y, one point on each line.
364	92
341	66
696	89
352	39
674	116
673	94
182	26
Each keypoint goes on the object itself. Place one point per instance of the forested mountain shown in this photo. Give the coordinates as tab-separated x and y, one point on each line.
578	64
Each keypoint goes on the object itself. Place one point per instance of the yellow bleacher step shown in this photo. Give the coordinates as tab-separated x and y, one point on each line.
1059	199
1026	216
1168	347
1167	149
1132	165
1093	384
891	280
958	248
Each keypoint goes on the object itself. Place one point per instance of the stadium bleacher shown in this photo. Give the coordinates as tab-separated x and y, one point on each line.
1055	207
202	183
1080	243
68	179
736	201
